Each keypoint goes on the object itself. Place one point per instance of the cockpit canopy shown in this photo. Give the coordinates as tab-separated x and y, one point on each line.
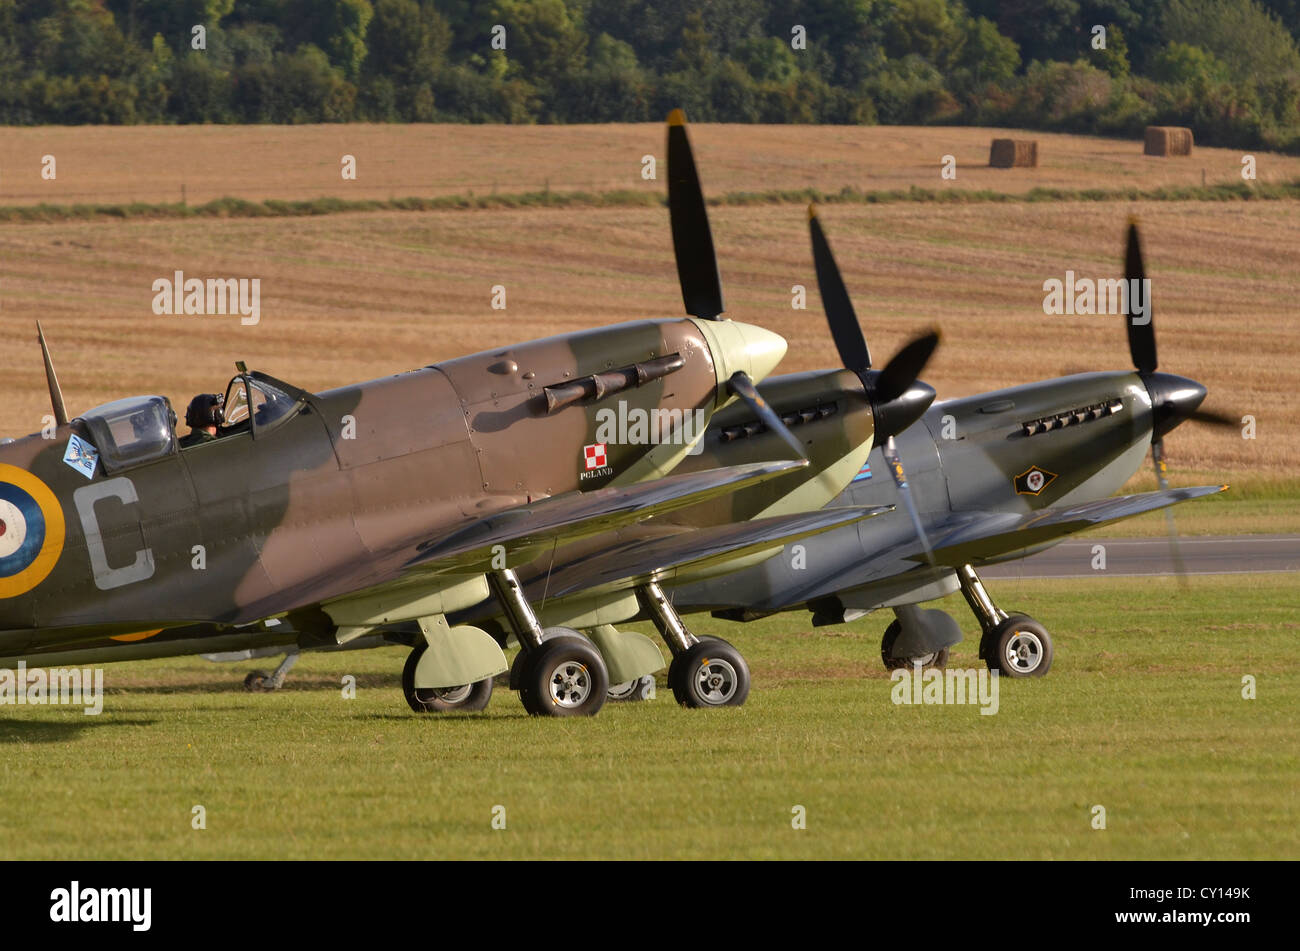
131	431
269	403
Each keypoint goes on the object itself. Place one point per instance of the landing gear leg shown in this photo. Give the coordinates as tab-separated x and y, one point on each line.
261	682
560	673
1015	645
705	671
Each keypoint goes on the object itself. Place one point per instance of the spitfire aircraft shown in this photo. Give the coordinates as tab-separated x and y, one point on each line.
315	512
983	479
835	436
710	556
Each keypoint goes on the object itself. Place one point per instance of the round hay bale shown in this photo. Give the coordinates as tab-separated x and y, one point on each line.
1167	140
1014	153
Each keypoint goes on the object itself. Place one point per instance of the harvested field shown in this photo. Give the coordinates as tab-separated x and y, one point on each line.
152	163
353	296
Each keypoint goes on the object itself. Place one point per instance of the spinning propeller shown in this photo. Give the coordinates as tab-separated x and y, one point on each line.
1174	399
898	398
697	263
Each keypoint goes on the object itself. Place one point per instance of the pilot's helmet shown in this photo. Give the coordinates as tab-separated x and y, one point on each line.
206	409
143	424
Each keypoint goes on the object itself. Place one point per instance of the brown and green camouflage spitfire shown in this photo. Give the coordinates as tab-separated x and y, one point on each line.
398	500
827	419
325	508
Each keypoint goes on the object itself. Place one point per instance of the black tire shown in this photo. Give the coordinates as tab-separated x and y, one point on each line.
469	697
710	673
565	677
517	665
936	659
1018	647
256	681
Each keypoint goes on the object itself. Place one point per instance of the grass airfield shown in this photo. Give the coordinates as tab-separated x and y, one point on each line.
1142	713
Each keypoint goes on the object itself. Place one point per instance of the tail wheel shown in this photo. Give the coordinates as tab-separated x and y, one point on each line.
642	688
470	697
936	659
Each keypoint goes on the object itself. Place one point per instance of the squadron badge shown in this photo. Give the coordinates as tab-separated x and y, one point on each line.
1033	481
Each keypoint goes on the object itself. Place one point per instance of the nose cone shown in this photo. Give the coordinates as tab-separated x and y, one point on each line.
1173	399
736	346
897	414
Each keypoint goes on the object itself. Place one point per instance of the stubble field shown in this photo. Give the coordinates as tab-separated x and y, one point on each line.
356	295
153	163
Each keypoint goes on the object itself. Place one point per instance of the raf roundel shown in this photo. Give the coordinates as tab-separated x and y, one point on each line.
31	531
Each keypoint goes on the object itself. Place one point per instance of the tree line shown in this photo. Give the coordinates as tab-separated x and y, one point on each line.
1227	68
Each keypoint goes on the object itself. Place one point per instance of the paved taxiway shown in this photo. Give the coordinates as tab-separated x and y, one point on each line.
1202	555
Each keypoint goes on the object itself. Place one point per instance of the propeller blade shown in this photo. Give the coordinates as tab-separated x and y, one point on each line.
845	329
1214	419
52	380
903	370
890	452
744	389
1162	471
697	264
1141	336
1158	458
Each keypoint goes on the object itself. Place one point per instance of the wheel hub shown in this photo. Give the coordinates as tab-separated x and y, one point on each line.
570	684
1024	652
716	681
452	694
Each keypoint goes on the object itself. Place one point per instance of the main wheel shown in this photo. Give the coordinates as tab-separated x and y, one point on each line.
473	696
938	659
256	682
710	673
1018	647
565	677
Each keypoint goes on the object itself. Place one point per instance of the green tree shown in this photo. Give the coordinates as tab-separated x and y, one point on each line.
1114	58
1183	63
1248	39
336	27
173	19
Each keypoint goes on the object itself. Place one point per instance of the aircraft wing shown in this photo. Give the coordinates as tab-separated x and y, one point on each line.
516	535
634	561
526	530
968	536
1000	534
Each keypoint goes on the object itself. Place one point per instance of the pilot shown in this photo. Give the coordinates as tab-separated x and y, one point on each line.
203	415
